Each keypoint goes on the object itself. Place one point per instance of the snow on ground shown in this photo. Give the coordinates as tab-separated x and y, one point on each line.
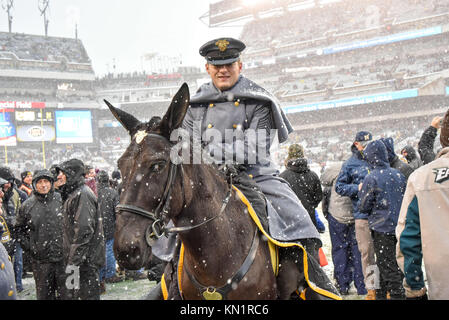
125	290
134	290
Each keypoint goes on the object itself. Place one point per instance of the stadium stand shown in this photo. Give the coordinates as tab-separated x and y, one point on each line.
335	66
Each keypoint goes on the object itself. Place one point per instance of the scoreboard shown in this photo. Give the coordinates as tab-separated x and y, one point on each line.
32	122
34	125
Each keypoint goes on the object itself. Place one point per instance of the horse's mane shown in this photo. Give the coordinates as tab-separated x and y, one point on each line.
152	126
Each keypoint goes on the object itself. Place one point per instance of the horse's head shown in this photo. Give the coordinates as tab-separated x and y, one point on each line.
147	185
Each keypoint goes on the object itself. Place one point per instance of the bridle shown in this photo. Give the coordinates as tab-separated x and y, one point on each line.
158	227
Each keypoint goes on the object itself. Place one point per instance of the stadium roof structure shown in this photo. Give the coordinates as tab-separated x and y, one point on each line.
226	12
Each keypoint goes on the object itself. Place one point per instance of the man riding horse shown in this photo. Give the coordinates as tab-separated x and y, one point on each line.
233	103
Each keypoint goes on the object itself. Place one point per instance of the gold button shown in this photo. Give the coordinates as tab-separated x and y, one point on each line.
234	126
10	293
2	266
211	105
250	175
209	125
237	103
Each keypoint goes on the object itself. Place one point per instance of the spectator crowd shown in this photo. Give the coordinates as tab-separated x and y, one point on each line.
59	223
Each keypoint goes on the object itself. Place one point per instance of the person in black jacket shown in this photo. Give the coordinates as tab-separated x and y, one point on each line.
84	247
108	199
303	181
426	143
39	230
410	154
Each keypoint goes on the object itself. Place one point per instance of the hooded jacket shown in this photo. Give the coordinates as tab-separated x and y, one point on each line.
352	173
83	226
394	160
412	157
382	190
40	223
423	226
305	183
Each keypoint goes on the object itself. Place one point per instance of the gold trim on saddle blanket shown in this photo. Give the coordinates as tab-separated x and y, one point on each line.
274	254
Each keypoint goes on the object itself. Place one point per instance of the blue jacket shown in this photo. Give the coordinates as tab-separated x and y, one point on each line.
382	191
352	173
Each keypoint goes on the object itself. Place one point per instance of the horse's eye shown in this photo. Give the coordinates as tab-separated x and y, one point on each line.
157	166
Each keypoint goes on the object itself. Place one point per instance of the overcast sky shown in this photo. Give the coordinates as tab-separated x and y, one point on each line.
123	30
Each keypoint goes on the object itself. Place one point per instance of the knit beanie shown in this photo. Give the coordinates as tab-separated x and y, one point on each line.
295	151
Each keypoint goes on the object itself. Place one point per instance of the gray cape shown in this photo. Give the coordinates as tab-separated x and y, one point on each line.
246	89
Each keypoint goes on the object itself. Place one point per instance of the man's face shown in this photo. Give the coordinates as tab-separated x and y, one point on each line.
91	173
62	179
28	179
43	186
404	154
225	76
6	187
359	146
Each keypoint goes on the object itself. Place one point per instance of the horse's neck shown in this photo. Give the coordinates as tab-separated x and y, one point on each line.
212	244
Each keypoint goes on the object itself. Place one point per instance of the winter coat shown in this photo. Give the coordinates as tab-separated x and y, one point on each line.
251	115
83	227
40	225
108	199
426	144
394	160
423	225
7	278
305	183
352	173
340	207
382	190
412	157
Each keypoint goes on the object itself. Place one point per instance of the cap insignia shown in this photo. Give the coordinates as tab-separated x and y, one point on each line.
222	44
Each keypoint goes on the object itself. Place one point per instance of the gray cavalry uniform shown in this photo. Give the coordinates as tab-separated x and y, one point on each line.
243	107
7	279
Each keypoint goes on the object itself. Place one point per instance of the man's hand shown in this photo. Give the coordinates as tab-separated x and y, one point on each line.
436	122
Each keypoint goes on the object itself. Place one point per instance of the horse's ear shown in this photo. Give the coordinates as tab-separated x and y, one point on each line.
128	121
176	112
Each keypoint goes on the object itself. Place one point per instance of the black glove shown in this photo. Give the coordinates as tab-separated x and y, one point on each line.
231	170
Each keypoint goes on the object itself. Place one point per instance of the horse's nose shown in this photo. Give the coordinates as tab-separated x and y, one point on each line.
129	256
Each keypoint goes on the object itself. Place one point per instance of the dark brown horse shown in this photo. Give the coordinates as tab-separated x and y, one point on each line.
223	252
